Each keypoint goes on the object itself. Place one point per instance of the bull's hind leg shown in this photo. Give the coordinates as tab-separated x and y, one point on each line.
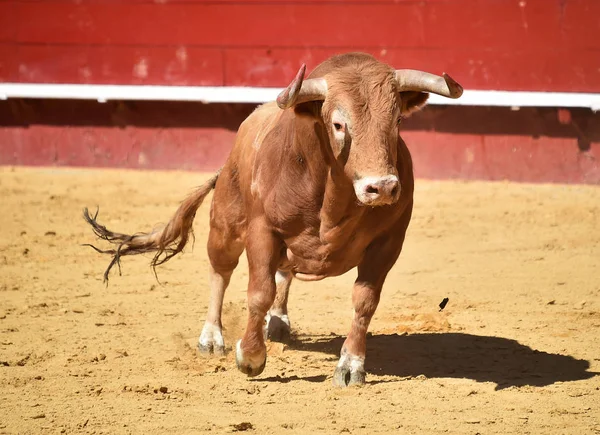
211	337
224	252
277	320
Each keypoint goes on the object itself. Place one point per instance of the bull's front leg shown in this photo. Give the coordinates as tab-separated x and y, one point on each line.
351	366
372	271
263	250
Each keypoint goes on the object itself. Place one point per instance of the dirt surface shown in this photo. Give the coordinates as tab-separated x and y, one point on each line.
516	350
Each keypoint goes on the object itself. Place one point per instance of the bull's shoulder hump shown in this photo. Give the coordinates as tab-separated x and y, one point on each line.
260	123
259	116
264	111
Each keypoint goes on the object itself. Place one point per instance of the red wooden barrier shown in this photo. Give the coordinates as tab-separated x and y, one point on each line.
535	145
509	45
542	45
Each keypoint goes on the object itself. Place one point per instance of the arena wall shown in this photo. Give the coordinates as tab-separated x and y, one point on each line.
505	45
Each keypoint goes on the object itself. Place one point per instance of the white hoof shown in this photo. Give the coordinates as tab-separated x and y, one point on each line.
211	340
349	371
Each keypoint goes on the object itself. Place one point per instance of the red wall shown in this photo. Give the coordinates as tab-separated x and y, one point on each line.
539	45
543	45
534	145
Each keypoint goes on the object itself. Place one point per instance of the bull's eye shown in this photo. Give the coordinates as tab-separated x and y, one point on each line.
338	126
399	121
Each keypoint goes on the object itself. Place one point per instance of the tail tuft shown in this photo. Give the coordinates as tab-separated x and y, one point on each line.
165	242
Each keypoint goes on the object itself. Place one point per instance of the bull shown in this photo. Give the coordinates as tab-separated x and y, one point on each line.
317	183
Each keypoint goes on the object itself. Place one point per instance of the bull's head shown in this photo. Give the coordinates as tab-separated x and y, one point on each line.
363	102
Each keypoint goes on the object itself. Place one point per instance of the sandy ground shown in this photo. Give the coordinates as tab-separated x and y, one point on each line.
516	350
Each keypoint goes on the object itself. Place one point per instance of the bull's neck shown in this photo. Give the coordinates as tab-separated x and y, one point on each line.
340	212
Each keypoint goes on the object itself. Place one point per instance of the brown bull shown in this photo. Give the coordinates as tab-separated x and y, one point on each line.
317	183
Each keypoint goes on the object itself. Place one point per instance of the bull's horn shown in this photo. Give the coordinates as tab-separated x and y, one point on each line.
301	91
413	80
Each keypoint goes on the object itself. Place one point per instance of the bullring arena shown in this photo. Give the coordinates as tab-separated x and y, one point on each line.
489	322
514	351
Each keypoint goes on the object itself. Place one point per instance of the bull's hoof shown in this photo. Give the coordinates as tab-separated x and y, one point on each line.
350	370
278	328
248	367
211	340
345	377
211	349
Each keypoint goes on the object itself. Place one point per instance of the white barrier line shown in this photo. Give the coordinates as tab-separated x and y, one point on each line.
240	94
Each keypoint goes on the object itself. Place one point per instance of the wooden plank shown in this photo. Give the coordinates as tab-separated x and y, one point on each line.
514	158
566	71
435	155
464	23
542	45
119	65
558	71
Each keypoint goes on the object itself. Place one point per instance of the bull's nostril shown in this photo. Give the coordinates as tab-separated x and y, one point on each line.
372	189
395	191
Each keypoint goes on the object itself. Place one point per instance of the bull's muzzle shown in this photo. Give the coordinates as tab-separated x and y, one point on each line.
375	191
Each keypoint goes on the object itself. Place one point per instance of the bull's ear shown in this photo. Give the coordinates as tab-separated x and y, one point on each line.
412	102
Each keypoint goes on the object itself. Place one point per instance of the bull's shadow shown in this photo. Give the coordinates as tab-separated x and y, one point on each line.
455	355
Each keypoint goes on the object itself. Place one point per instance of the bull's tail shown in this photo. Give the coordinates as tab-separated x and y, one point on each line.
165	242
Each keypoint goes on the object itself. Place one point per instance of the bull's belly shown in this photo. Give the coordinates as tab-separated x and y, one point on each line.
315	267
308	276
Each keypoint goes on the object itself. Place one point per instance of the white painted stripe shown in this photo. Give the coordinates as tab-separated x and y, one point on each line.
522	99
240	94
103	93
